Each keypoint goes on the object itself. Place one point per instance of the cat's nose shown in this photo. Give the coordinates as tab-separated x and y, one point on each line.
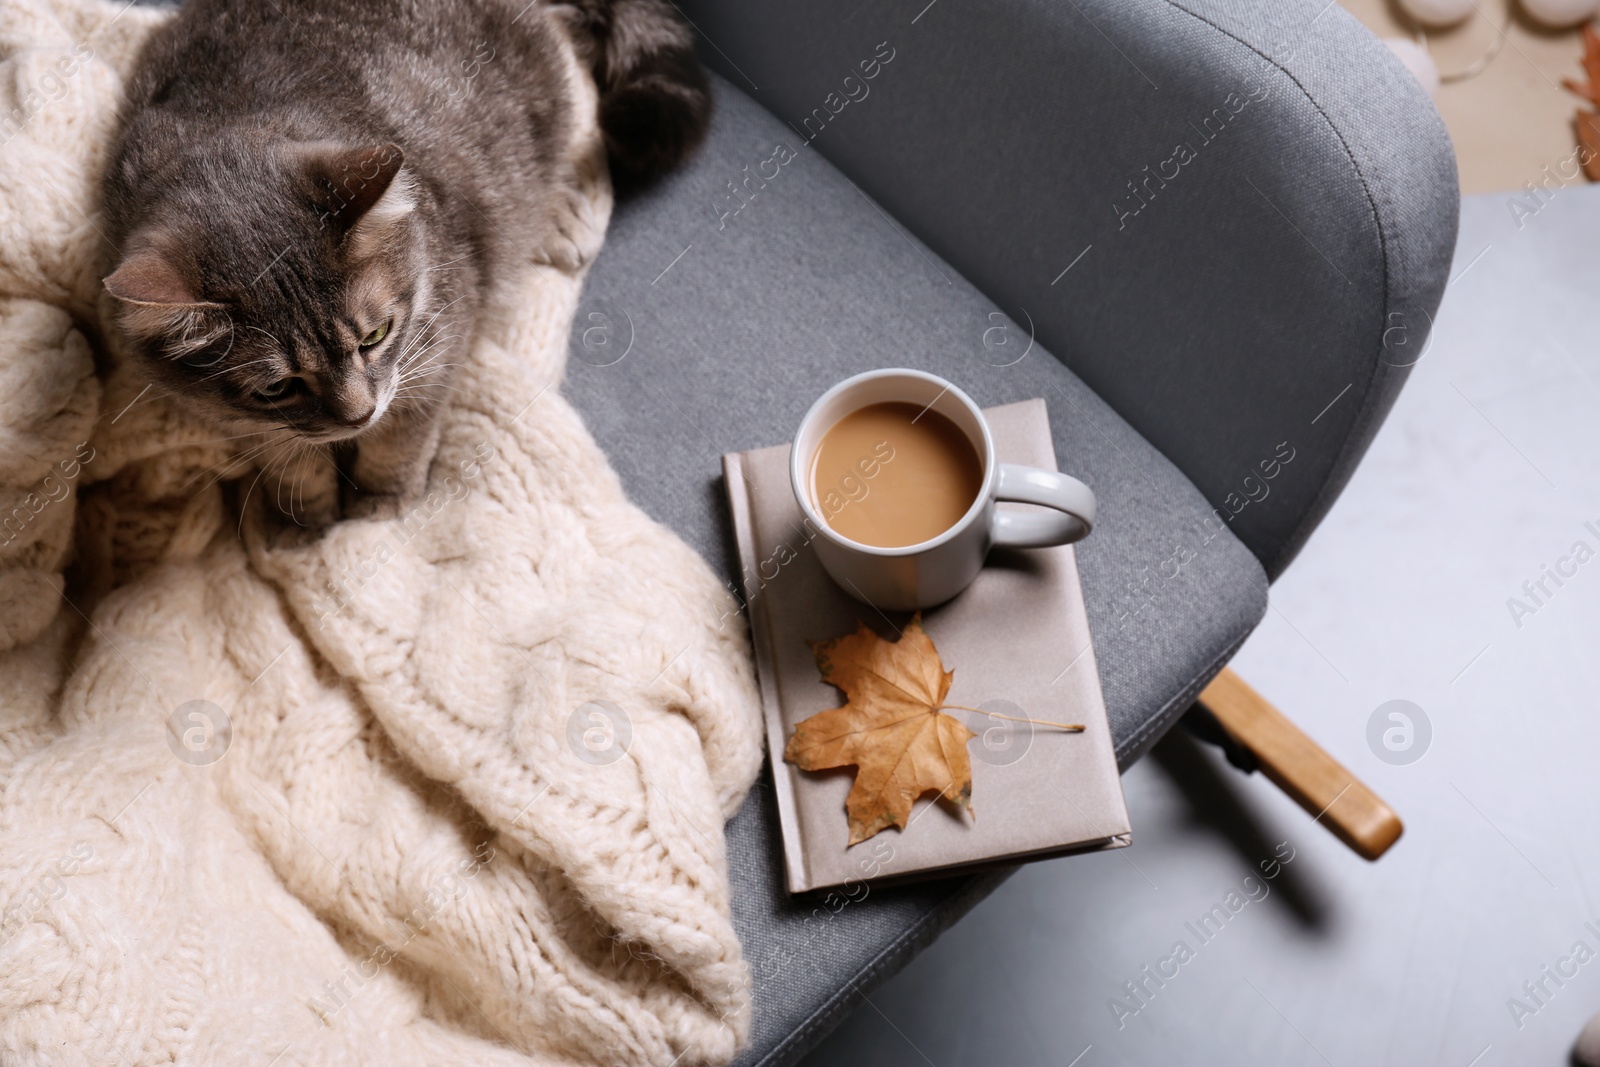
352	419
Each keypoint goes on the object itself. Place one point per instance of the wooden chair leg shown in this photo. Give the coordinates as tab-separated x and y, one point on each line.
1301	768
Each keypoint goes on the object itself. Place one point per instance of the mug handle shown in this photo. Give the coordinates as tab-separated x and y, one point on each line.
1033	485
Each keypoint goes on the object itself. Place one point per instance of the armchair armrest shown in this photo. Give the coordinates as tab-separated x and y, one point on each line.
1233	220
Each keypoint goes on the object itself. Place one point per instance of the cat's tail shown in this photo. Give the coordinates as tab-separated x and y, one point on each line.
655	97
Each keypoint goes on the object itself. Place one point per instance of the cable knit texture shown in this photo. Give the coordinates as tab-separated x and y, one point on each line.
443	789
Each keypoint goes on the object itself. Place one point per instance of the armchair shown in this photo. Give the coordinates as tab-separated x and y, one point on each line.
1211	235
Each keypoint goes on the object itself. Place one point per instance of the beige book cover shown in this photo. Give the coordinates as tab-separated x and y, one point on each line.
1018	642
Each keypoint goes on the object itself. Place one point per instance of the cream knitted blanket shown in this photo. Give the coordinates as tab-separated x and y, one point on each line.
447	789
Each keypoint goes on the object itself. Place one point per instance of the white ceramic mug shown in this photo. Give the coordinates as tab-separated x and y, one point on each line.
933	571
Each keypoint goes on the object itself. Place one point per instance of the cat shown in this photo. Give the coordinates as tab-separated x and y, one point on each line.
308	200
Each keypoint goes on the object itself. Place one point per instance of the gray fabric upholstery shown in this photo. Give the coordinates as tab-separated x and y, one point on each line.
700	334
1301	251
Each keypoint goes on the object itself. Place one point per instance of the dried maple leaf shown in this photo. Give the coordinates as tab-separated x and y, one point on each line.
891	729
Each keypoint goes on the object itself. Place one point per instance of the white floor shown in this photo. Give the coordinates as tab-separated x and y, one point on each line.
1485	474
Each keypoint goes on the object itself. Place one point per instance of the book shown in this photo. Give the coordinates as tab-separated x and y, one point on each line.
1018	642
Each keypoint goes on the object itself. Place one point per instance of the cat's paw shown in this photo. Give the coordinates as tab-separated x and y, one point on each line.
578	229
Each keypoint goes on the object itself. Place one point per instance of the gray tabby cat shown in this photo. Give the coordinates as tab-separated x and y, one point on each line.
310	198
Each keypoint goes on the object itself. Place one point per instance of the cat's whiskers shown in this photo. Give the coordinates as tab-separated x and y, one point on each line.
415	352
295	447
417	393
243	460
244	502
249	454
411	389
305	472
416	361
238	459
422	331
434	315
296	453
428	366
417	383
415	375
237	466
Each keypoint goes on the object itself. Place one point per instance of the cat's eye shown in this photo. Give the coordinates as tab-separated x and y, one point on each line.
277	390
374	336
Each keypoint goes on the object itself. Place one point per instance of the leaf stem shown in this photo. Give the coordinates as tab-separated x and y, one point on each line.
1073	728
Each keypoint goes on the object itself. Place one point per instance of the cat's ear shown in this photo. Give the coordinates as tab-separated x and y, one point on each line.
150	279
158	300
360	191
